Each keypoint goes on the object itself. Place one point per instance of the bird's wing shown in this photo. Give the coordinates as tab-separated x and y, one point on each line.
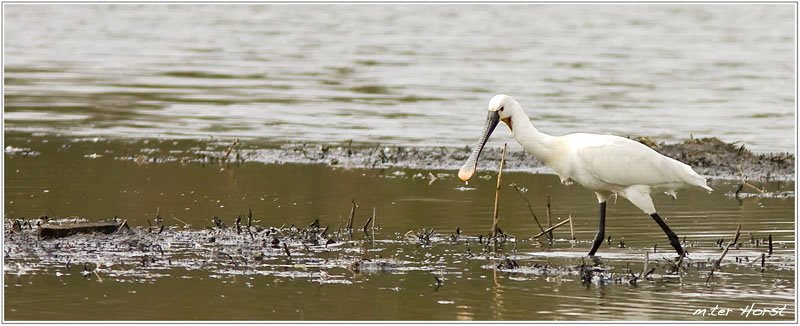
626	162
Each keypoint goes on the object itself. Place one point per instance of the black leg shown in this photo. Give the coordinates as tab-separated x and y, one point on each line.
673	238
601	230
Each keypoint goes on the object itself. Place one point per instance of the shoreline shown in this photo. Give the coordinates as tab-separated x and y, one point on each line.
710	157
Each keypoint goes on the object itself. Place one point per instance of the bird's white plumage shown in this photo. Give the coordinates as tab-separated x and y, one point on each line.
617	161
603	163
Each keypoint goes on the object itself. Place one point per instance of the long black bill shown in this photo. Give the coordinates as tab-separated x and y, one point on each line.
468	170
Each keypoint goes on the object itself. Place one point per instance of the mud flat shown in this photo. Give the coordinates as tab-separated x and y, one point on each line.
708	156
321	253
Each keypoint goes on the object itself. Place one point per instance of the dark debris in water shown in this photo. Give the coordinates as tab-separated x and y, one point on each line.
319	254
313	252
588	274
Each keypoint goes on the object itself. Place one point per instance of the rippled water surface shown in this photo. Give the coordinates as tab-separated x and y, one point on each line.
410	74
95	97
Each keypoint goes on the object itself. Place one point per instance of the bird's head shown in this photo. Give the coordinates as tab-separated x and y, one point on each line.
504	106
501	108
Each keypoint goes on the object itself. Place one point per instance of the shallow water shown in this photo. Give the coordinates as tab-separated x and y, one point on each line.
61	178
404	74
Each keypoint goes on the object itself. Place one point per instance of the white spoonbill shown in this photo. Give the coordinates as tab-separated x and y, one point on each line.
604	164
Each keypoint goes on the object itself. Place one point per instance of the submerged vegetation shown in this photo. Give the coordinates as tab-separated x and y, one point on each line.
325	253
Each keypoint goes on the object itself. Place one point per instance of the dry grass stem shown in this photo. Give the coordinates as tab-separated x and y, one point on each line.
495	217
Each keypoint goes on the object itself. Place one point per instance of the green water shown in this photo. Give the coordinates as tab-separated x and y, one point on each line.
65	179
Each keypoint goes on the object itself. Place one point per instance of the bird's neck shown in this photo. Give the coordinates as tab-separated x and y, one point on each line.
535	142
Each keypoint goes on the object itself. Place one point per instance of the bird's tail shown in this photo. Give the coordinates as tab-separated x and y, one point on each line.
698	181
691	177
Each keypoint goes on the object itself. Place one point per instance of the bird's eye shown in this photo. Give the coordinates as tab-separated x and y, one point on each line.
501	108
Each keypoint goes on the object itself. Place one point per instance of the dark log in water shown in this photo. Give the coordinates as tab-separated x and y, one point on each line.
48	231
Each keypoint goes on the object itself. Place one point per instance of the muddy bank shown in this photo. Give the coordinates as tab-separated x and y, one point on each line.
710	157
713	157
